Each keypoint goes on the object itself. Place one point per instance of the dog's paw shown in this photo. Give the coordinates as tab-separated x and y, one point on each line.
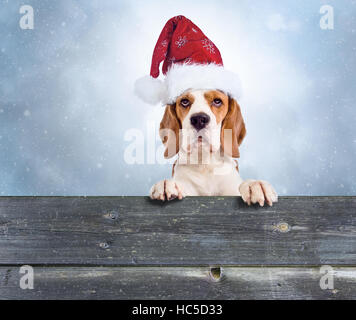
166	190
256	191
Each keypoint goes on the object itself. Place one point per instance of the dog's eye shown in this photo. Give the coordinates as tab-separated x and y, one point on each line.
217	102
185	103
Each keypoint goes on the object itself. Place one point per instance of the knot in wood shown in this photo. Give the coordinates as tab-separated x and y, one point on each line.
282	227
104	245
215	273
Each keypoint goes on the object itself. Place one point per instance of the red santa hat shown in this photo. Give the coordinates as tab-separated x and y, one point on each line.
190	61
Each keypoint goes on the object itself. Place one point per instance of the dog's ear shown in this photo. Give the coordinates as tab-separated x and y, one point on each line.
233	130
169	131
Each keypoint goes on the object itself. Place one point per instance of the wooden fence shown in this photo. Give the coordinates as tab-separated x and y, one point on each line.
197	248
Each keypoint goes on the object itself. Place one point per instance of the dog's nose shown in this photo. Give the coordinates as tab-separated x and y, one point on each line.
199	120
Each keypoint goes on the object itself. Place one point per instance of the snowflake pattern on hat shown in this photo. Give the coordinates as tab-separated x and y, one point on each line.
208	45
181	41
188	61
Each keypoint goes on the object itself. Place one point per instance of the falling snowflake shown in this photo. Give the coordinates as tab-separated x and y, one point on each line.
208	45
194	30
181	41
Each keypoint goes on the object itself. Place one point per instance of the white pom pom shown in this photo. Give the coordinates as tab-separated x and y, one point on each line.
150	90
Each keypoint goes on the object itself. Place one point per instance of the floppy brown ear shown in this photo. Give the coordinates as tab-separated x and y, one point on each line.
169	131
233	130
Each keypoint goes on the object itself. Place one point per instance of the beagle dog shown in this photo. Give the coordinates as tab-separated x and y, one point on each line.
205	128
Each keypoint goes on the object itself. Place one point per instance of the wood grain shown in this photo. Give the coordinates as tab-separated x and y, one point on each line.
177	283
198	231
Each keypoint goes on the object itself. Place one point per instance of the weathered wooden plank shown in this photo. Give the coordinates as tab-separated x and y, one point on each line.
177	283
195	231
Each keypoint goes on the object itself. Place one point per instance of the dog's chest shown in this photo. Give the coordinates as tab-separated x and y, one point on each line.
208	180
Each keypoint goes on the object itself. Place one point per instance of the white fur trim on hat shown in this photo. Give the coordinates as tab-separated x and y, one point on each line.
150	90
208	77
181	78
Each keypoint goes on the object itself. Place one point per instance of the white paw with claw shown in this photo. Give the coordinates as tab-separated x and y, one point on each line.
166	190
257	191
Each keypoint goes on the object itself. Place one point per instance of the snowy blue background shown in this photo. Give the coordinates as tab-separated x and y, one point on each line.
66	92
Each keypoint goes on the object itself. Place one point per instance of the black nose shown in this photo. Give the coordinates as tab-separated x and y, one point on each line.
199	120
